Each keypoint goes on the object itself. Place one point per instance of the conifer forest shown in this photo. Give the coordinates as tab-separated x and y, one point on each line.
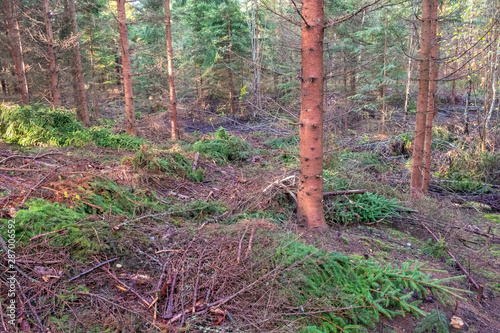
250	166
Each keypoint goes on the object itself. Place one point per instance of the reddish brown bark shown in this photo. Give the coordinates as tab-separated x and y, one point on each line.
310	190
127	76
53	70
431	99
171	81
423	93
16	51
78	70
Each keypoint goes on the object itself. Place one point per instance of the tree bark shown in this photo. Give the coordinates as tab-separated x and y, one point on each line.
53	70
408	82
310	190
171	81
423	93
78	70
232	99
489	105
253	24
431	100
127	76
384	85
16	51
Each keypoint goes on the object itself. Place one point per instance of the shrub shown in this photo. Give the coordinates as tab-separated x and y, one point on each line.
359	292
37	124
366	208
174	164
224	147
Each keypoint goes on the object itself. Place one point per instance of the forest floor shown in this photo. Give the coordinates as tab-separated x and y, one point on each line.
184	243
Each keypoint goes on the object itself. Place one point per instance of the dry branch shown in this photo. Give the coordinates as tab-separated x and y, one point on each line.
343	192
90	270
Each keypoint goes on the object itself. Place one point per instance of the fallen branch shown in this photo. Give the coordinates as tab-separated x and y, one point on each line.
90	270
344	192
46	234
30	157
462	268
127	287
118	306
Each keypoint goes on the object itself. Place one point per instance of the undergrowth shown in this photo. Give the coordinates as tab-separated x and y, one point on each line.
366	208
224	147
84	236
37	124
354	293
173	164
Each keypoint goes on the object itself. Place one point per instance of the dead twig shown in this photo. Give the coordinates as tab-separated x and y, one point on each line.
46	234
462	268
127	287
90	270
343	192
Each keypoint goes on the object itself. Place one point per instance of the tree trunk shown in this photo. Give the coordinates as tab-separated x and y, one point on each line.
310	189
232	99
16	50
95	98
453	83
54	72
78	70
384	86
4	87
127	76
423	94
254	40
408	82
489	105
431	100
171	81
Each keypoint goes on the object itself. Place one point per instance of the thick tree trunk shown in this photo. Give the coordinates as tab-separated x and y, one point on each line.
16	50
310	189
431	100
423	94
78	70
127	76
232	99
54	72
171	81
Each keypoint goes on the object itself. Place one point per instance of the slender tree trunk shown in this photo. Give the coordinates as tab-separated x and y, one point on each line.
232	99
127	76
16	50
489	106
467	102
95	98
82	97
453	83
384	86
253	24
310	189
408	82
431	100
4	87
423	94
54	71
171	81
